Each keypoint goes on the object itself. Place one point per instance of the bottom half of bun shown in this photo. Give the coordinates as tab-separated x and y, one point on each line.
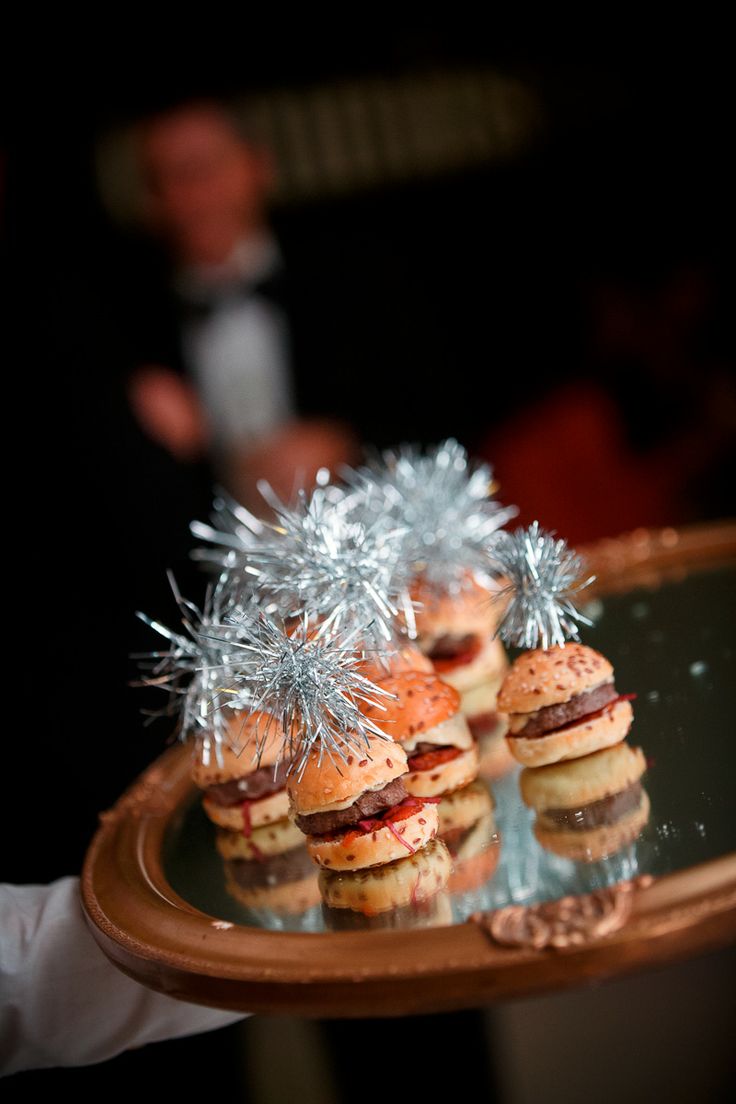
444	777
600	730
383	842
249	814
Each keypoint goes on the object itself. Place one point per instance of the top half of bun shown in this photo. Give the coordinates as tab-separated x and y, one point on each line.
335	783
421	702
582	781
551	676
245	734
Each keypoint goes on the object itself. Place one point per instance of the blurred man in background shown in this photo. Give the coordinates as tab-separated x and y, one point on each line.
228	388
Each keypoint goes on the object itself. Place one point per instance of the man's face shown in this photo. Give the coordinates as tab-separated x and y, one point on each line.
206	185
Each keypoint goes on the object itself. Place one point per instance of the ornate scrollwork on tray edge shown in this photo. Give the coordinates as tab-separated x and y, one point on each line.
149	796
570	922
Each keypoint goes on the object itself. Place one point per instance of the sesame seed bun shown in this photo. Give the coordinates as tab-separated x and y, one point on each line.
591	734
268	840
595	843
582	781
415	878
335	784
454	732
376	847
550	676
422	702
239	750
446	777
489	664
265	810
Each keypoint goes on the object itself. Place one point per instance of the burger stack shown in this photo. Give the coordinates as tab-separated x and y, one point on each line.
456	631
424	717
266	864
373	841
567	722
443	503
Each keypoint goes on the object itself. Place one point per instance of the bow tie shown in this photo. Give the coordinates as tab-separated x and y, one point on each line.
200	303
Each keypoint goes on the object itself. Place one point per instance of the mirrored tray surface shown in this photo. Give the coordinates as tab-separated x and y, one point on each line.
673	647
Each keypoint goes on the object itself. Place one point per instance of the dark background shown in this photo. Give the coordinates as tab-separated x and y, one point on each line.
497	273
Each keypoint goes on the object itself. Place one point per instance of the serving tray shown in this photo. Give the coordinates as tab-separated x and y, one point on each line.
156	894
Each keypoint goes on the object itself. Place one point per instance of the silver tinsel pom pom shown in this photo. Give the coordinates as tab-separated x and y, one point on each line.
318	558
232	533
443	502
540	577
308	680
194	668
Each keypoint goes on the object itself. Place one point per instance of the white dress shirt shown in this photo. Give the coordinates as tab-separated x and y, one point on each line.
238	352
62	1003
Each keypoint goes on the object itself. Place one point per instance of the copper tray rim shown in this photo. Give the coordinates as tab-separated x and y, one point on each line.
161	940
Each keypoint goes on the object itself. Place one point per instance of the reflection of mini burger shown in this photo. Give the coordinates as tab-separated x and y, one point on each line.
286	884
425	719
400	892
270	868
468	829
590	807
562	704
357	812
240	794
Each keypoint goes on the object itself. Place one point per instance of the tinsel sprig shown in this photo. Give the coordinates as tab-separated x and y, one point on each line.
194	667
443	501
540	577
308	679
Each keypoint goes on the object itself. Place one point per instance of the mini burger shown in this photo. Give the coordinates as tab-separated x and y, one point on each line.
456	631
588	808
357	812
406	893
562	704
240	793
425	719
452	626
468	829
